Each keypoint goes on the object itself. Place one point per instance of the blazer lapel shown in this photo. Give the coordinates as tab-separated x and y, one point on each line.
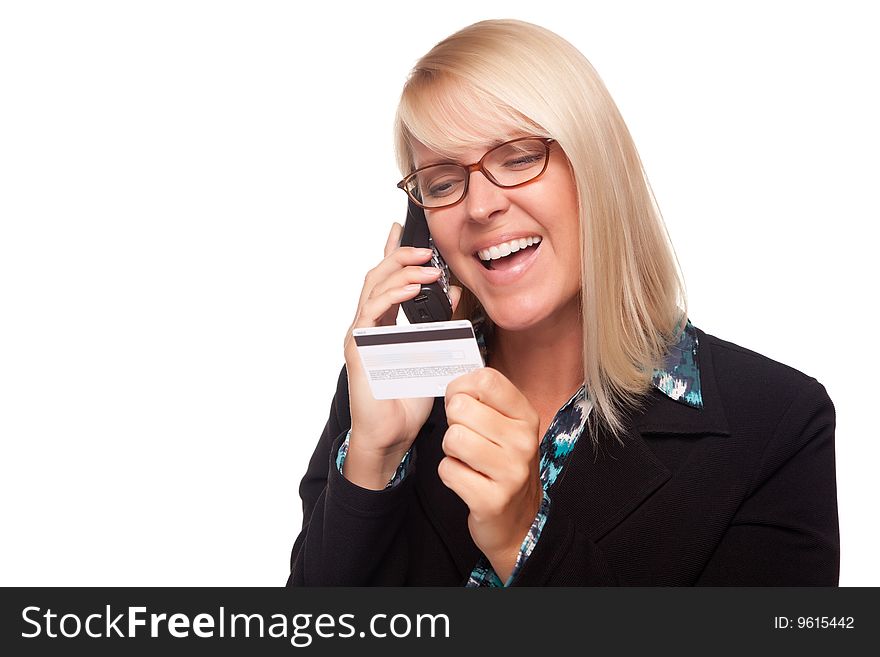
602	486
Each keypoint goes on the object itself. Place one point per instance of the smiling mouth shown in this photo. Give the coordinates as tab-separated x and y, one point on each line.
508	261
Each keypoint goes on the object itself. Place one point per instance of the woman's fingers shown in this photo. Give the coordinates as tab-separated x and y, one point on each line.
385	286
377	309
474	450
393	238
381	306
406	276
398	258
467	483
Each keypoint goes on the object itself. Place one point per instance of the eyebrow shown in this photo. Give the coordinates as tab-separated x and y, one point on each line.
487	146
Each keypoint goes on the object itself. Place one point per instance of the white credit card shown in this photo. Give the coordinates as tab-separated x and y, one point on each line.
416	360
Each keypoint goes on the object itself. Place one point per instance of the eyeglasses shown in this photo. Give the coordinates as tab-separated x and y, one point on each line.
507	165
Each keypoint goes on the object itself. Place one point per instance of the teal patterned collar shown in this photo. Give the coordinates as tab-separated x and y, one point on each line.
679	379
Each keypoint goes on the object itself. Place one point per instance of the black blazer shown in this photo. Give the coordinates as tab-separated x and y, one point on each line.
740	492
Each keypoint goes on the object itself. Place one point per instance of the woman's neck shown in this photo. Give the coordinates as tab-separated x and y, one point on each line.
545	362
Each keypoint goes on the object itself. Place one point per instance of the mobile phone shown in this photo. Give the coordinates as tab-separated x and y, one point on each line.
432	303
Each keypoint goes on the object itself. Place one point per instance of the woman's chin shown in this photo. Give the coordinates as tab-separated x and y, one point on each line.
522	315
515	319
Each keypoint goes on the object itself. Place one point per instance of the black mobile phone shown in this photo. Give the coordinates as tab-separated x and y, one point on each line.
432	303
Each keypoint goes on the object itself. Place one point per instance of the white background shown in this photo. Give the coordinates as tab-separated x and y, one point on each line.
181	254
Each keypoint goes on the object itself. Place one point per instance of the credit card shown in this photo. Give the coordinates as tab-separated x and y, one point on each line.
416	360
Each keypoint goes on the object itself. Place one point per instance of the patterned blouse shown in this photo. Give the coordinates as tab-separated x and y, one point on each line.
679	379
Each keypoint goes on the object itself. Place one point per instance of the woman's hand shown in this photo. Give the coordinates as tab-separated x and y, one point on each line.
382	430
492	462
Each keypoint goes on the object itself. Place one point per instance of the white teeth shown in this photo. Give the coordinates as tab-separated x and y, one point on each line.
505	249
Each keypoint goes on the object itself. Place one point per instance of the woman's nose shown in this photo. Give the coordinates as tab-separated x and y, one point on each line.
484	198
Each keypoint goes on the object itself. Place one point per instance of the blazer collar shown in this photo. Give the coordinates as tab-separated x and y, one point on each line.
602	487
690	403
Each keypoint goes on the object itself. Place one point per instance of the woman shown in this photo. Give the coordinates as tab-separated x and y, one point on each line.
703	463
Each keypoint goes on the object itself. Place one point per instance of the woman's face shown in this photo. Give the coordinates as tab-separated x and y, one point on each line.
523	289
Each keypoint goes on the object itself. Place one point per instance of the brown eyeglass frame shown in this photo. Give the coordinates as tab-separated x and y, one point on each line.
478	166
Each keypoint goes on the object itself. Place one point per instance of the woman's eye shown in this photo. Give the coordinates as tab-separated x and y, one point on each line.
442	188
524	161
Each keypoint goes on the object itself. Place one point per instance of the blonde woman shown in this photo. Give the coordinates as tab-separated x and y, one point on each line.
609	441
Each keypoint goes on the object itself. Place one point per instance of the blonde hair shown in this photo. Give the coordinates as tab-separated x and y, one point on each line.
521	79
